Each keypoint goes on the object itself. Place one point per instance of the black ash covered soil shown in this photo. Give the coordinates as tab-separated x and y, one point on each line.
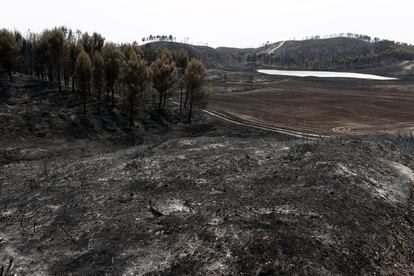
94	197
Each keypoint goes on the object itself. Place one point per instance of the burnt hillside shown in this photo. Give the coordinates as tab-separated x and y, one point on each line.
204	199
333	53
340	52
210	57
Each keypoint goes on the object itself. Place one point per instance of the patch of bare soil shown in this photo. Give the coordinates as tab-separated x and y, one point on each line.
320	106
209	198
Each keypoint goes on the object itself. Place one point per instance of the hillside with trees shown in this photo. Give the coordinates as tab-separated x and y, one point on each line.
346	52
211	58
57	49
350	52
136	79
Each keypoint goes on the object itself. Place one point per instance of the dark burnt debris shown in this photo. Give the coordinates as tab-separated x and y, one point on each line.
97	198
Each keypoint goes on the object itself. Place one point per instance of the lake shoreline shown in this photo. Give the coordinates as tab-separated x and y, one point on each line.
323	74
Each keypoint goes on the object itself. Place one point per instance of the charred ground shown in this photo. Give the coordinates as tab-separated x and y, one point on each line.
97	197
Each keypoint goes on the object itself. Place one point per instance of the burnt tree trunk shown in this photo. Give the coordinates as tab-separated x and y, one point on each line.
131	111
181	99
160	102
50	73
99	99
58	77
112	96
186	97
73	84
165	97
191	106
84	104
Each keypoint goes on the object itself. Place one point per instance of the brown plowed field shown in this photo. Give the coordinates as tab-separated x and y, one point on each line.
322	106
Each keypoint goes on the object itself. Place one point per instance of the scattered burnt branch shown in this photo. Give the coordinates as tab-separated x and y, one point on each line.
31	182
82	180
22	218
45	170
9	267
154	210
2	177
66	178
5	208
71	237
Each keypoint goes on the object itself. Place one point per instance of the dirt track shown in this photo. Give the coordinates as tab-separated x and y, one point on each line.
321	106
239	120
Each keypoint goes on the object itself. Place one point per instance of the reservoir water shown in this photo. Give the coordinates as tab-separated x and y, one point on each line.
324	74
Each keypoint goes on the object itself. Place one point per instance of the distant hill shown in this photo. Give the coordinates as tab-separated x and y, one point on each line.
340	52
331	53
212	58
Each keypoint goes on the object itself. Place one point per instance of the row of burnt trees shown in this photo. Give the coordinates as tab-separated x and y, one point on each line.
152	38
9	51
90	65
